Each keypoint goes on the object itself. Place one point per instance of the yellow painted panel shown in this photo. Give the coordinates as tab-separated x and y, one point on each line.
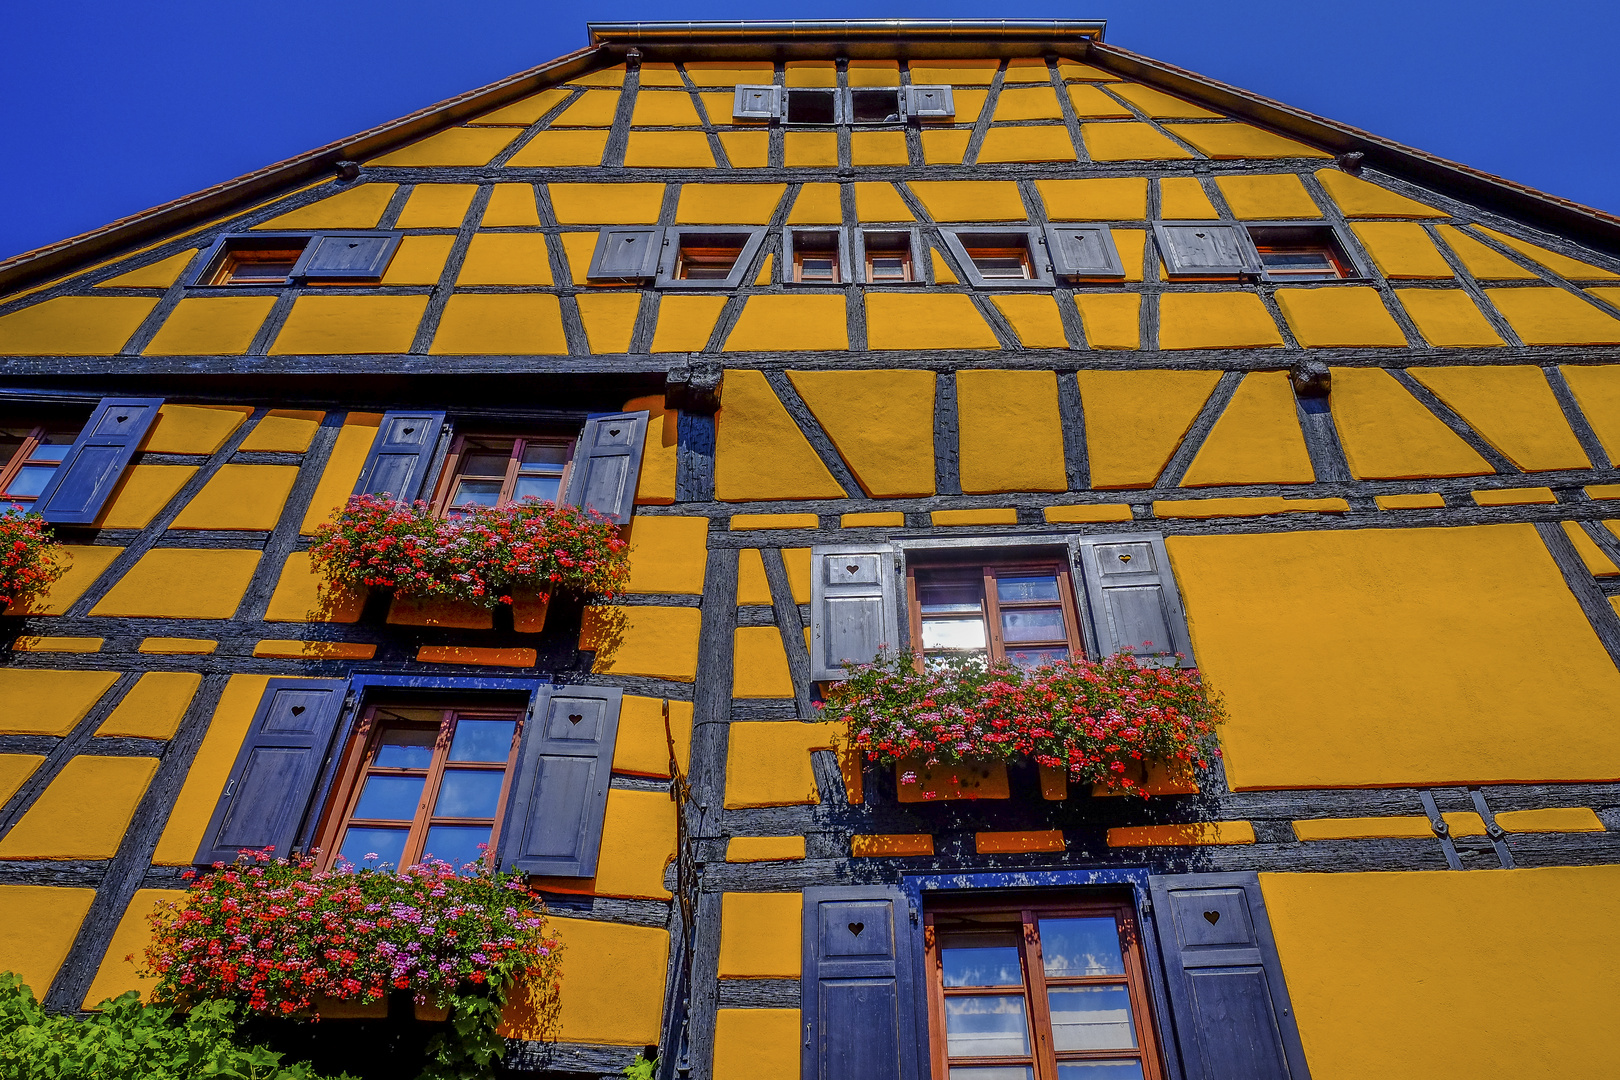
756	1044
997	843
1129	141
511	204
881	518
577	247
1563	265
759	451
438	611
1049	142
810	149
1207	832
874	73
1597	391
764	275
1132	247
1111	320
1483	262
1217	320
38	643
240	497
808	322
350	324
944	146
656	485
1160	105
506	259
1431	618
525	111
1081	514
1035	319
1026	69
561	148
746	149
667	554
752	585
1241	141
1554	317
1252	197
158	275
1121	198
1551	819
638	841
817	204
760	935
612	76
1070	70
1387	433
1360	198
685	322
891	846
38	924
1028	103
1345	316
354	441
610	320
728	204
1402	249
1409	502
457	146
1514	409
209	770
1257	440
284	431
1003	515
182	583
970	200
729	73
1514	496
768	762
659	642
744	849
84	566
760	665
1091	103
419	260
211	325
1246	507
125	955
436	206
140	493
85	811
595	108
668	150
14	770
1448	317
352	208
154	706
674	109
1597	563
812	73
881	423
942	272
1011	433
35	701
73	326
642	748
193	429
717	107
660	75
953	71
1365	828
288	649
615	979
1384	969
925	321
878	148
529	323
1182	198
880	202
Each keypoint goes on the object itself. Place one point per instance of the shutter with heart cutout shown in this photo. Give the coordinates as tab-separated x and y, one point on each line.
607	463
553	820
858	1001
852	606
268	793
1200	249
356	256
98	457
1232	1016
400	455
1131	599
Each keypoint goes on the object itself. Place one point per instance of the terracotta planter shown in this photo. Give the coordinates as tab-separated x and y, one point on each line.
946	781
529	612
337	1009
1153	776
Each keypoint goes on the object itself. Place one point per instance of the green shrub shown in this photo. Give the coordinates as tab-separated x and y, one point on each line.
129	1041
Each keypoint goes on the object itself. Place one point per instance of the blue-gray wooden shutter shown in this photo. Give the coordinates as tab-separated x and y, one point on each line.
400	455
1083	251
268	794
1202	249
928	103
1130	595
858	995
607	464
553	820
90	469
757	103
852	606
1228	1000
347	256
625	253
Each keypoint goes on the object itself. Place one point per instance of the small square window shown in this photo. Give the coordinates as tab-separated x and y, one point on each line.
1301	253
816	256
244	262
875	106
696	258
1000	258
888	258
812	107
494	470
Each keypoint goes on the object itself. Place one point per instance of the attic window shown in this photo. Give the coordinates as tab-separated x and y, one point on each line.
707	258
814	257
875	106
812	107
1300	253
269	260
999	257
888	258
245	263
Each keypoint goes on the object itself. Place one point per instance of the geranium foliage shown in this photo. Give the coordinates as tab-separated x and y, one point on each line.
1098	720
28	557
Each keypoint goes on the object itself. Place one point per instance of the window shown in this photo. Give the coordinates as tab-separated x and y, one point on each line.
1043	990
268	260
422	781
888	258
812	107
711	262
863	105
875	106
30	454
1023	612
1278	252
493	470
242	264
997	258
814	256
706	258
1300	253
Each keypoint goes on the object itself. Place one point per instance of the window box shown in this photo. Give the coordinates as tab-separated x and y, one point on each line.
917	781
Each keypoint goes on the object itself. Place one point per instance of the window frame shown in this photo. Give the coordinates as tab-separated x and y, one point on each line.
962	239
23	456
995	647
862	256
1305	234
675	235
792	254
445	484
214	257
770	103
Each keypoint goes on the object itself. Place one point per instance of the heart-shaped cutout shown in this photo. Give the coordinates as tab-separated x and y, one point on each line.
1124	558
409	430
856	928
298	710
613	431
1212	917
121	419
851	567
574	718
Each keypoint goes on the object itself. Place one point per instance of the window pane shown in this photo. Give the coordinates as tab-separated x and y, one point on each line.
1034	658
482	740
995	965
1074	947
1038	624
1098	1070
816	268
30	481
1091	1018
987	1025
1012	590
537	487
476	493
939	597
536	453
373	849
888	269
469	793
1000	267
1296	260
390	798
992	1072
484	463
953	633
52	448
406	748
456	844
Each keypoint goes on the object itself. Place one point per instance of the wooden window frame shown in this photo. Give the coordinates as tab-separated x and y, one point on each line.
1277	236
970	243
1334	258
990	569
1019	252
1043	1055
906	252
23	456
446	487
338	814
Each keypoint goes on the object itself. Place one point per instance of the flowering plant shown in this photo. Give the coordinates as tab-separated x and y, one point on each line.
485	555
28	557
276	933
1092	718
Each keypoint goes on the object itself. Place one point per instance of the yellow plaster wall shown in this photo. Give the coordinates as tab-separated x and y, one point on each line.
1387	434
1597	391
882	424
1111	320
1136	419
746	149
457	146
1361	198
1159	105
511	204
1216	320
970	200
1596	562
1514	409
728	204
15	769
211	325
1259	197
1010	432
610	320
768	762
664	110
1257	440
141	493
642	748
436	206
880	202
1482	261
753	587
353	208
925	321
525	111
154	706
810	149
182	583
209	770
526	323
158	275
613	986
776	322
287	431
350	324
37	701
760	665
659	642
301	595
1402	249
193	429
878	148
118	974
1353	316
638	841
656	483
240	497
1184	198
1129	141
601	204
817	204
73	325
419	260
554	148
669	150
1563	265
760	935
1092	104
742	849
506	259
756	1044
1427	627
667	554
685	322
1241	141
1103	199
1389	973
1035	319
1048	142
84	565
37	926
1554	317
1448	317
85	811
944	146
759	451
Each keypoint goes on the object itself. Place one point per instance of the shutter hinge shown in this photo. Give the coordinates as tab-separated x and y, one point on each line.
349	700
230	786
1147	905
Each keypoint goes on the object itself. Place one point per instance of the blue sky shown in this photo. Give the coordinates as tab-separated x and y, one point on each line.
114	107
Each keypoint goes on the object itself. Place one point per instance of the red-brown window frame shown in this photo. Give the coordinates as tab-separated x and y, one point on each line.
514	463
1334	259
1020	252
1043	1055
20	457
989	570
709	255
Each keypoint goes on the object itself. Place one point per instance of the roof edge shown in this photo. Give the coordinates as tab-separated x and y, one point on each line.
752	31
